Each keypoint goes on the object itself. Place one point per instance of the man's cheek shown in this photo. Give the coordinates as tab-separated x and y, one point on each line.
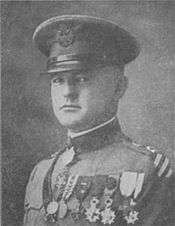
56	106
56	98
84	98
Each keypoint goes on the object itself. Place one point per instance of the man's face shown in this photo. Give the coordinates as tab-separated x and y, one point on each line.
82	100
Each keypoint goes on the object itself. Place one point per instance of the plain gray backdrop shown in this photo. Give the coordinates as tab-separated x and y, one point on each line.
30	131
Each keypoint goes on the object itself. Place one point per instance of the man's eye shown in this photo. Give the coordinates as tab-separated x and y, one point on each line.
81	79
57	80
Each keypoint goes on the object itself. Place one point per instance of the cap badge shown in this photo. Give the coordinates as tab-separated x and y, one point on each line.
65	35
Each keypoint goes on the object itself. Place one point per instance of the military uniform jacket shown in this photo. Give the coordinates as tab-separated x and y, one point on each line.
103	178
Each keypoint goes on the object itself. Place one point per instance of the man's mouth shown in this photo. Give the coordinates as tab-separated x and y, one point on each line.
70	106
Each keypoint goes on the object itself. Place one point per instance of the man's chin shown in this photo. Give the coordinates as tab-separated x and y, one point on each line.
78	123
73	124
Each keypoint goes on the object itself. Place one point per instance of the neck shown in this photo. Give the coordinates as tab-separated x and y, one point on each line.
77	134
96	137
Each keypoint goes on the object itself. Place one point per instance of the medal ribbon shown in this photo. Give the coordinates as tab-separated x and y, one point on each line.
69	187
47	184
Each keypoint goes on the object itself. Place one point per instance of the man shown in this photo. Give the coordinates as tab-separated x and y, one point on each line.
101	177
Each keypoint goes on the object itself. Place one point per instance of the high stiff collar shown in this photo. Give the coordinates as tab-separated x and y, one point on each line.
96	137
73	135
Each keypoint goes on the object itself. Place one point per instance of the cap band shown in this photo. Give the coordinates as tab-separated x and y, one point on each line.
80	61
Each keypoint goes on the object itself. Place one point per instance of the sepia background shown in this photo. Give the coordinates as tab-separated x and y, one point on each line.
30	131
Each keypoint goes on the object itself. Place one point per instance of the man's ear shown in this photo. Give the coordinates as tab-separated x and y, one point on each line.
122	85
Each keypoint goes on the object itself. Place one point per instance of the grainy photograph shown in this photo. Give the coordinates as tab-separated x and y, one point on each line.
88	112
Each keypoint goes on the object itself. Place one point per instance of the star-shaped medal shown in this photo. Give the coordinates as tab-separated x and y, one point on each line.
108	216
93	213
132	217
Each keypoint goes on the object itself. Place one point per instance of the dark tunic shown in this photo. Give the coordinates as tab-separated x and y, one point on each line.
101	178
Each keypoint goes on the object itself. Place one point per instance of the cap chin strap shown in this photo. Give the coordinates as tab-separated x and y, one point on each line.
73	134
80	61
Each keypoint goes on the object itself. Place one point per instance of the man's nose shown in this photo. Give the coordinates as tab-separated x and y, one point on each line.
70	91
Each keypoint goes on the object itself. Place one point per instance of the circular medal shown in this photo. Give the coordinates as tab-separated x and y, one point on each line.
86	203
74	205
111	183
52	207
63	209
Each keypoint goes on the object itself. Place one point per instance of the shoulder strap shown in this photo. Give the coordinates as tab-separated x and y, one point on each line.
161	162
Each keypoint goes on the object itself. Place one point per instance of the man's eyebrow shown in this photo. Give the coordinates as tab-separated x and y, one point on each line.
62	73
55	74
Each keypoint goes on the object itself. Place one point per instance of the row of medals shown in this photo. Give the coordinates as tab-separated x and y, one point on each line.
59	206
